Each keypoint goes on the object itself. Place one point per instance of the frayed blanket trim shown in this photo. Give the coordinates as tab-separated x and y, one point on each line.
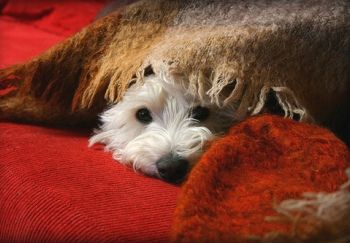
317	217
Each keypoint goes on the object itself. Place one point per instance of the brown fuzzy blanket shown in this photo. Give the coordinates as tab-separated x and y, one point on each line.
232	51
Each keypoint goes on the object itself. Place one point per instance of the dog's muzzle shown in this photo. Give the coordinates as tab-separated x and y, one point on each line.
172	168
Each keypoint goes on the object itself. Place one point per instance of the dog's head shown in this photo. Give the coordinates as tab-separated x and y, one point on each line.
160	129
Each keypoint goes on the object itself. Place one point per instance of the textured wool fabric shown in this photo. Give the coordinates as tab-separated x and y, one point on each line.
243	176
225	52
54	188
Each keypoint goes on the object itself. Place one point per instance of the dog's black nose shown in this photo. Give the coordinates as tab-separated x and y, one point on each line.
172	168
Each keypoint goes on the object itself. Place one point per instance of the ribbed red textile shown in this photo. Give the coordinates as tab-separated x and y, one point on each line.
52	186
28	27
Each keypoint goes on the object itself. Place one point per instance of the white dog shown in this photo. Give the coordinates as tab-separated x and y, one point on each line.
160	129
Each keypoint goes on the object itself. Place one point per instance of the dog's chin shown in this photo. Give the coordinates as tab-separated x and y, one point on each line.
155	174
152	170
149	171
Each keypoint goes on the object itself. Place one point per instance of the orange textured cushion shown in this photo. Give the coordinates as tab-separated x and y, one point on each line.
262	161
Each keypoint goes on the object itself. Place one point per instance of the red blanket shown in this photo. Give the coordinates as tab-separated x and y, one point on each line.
242	177
53	187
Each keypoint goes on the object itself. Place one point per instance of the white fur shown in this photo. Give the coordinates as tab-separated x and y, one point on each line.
171	131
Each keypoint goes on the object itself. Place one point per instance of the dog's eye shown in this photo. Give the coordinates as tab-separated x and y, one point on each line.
144	115
200	113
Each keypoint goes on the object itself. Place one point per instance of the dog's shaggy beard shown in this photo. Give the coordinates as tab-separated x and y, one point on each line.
172	131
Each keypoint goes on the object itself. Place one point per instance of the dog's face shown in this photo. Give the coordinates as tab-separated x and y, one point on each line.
159	129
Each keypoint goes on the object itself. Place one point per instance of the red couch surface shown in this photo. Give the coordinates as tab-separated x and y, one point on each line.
52	186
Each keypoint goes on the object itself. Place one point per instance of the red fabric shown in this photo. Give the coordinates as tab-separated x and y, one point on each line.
52	186
262	161
29	27
60	17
